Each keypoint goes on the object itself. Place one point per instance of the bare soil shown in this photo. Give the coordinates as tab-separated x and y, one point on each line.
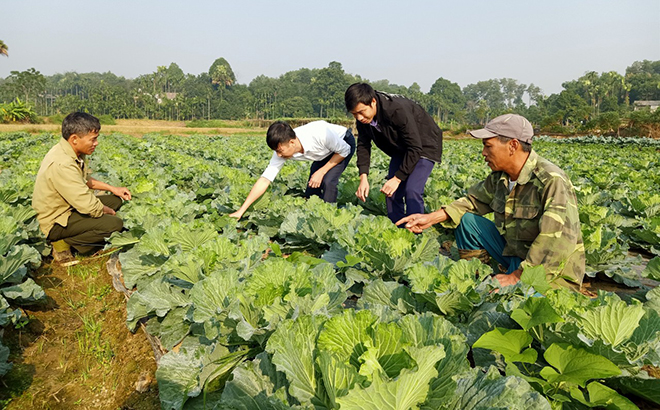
76	351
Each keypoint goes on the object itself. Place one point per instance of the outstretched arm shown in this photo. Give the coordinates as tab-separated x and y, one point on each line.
416	223
257	190
121	192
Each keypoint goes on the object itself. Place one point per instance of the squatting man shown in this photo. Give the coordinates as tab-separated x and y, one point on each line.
68	211
536	220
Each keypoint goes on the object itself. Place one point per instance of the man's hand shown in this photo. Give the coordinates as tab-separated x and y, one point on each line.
236	214
416	223
510	279
390	186
316	179
363	189
122	192
108	210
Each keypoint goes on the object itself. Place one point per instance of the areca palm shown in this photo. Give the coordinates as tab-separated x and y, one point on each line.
3	48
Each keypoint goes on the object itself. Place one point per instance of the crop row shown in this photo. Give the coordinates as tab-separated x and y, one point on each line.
306	305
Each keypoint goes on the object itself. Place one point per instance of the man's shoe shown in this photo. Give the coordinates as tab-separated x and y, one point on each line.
64	258
62	254
480	254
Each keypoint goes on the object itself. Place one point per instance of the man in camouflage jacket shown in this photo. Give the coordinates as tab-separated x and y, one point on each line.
534	206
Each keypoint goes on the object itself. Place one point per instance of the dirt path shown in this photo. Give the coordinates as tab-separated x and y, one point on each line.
76	351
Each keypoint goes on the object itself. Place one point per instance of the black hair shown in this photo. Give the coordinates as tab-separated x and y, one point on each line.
358	93
526	146
79	123
279	132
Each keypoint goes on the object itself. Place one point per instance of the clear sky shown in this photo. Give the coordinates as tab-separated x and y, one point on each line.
541	42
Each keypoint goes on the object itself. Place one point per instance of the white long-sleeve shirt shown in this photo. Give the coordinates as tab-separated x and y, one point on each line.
318	139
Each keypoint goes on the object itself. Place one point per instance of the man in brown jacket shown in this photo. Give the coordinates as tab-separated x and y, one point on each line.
68	212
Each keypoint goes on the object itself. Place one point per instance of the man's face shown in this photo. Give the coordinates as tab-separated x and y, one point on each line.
365	113
85	144
286	149
496	153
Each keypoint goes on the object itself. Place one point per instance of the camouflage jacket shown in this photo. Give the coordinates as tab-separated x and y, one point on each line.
539	219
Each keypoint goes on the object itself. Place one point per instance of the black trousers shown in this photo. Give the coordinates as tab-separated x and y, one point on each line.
86	234
328	189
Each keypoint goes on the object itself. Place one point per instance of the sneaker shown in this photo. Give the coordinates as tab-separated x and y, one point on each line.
64	258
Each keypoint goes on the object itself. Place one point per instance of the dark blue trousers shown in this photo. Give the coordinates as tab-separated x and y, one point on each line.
408	198
328	189
477	232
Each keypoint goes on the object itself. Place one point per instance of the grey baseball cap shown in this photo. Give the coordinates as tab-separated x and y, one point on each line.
507	125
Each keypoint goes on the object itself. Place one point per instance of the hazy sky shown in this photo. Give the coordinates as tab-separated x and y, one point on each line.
541	42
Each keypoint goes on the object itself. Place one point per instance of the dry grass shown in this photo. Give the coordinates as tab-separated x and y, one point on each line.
138	128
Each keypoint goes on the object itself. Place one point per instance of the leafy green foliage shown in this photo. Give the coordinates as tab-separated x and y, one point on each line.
240	291
613	323
264	314
479	390
575	365
17	111
600	103
4	355
652	269
25	293
363	361
21	242
602	396
534	312
449	287
509	342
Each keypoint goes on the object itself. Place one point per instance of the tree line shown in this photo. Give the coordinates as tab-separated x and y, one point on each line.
602	103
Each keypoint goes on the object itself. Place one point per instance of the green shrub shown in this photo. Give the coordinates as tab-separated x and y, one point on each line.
454	128
107	120
55	119
261	123
556	129
643	123
345	121
609	121
216	124
18	111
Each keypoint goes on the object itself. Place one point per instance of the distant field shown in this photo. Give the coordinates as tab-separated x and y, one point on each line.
138	128
141	127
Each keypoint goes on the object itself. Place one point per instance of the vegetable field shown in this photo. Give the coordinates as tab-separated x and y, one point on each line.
305	305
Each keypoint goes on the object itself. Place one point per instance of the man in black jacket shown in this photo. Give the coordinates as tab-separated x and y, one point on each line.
407	134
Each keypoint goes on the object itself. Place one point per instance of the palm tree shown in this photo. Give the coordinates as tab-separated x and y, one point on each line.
3	48
221	73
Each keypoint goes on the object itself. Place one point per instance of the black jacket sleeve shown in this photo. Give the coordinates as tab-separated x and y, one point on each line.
363	148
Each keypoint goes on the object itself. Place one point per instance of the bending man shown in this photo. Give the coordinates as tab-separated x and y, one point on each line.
329	146
404	131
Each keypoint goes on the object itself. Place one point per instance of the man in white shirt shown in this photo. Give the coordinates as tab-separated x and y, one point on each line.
329	146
